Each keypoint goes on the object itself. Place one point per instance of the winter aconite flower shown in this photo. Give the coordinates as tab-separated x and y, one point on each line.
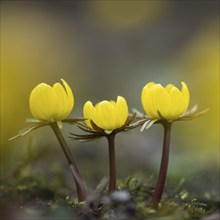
106	119
167	102
165	105
51	103
108	115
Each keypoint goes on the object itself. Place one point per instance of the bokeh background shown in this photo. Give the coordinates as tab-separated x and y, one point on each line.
104	49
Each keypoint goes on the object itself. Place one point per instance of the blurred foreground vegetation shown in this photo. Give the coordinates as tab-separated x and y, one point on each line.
32	194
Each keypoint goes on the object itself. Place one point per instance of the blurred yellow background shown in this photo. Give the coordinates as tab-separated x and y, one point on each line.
109	48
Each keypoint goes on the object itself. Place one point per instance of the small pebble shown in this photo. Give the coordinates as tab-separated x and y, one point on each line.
121	196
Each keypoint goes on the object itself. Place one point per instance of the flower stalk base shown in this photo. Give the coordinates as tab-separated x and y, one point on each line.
163	166
112	166
80	188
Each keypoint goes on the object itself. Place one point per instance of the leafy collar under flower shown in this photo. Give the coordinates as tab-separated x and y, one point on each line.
97	132
36	123
146	121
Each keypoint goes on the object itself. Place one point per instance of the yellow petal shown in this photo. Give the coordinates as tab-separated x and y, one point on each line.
61	102
41	102
146	100
176	100
186	95
121	111
70	96
105	115
88	112
164	102
169	87
157	97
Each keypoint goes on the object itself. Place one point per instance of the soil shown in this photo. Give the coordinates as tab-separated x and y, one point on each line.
30	198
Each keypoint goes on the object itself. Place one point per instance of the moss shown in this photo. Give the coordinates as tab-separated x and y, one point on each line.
32	196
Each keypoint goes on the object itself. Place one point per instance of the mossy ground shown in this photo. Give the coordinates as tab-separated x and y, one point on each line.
32	197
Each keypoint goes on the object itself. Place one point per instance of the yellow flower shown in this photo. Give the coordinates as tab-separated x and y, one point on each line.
108	115
51	103
167	103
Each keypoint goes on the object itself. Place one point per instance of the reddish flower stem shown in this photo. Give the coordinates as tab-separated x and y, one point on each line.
112	166
80	188
163	166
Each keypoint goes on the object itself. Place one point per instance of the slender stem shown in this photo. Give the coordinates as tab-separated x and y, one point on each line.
163	166
112	166
80	188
